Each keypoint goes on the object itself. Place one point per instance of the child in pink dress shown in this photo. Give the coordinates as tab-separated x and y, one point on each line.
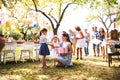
55	44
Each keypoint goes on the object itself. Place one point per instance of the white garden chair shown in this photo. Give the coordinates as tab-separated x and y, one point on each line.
9	51
37	47
27	48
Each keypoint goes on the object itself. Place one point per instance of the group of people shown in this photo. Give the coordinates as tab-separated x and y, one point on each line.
62	59
74	42
70	44
98	38
82	39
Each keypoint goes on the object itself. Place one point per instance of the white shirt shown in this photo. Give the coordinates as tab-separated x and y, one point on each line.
43	39
65	44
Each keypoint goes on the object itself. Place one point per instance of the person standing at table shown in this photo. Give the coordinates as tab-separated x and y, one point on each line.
44	50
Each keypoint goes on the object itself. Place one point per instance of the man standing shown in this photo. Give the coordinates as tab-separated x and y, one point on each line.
95	37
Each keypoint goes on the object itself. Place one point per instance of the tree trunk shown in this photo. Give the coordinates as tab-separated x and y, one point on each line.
55	31
107	34
61	17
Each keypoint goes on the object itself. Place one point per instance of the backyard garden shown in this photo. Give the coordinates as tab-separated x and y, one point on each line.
90	68
22	20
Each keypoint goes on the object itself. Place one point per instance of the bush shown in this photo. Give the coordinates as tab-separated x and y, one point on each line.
16	36
30	36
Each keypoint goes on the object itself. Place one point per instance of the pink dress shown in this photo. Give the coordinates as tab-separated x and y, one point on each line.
54	52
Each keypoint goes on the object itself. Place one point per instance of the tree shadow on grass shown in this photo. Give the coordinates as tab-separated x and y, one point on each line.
33	71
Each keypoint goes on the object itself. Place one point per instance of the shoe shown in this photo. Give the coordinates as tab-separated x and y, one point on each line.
81	58
68	66
59	66
77	58
97	55
44	67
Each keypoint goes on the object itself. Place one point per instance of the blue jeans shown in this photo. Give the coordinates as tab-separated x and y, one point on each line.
65	59
86	49
96	47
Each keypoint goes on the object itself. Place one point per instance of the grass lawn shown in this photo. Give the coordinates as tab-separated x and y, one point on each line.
90	68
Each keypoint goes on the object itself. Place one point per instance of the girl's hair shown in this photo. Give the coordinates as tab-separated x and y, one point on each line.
55	36
103	31
43	30
77	28
65	34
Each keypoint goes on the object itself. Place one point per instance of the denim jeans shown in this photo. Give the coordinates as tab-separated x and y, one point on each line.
86	49
96	47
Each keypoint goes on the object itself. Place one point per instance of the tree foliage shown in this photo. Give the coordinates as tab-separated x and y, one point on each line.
55	10
105	11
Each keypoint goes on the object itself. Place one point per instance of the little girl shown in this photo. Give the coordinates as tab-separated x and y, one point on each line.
55	44
44	50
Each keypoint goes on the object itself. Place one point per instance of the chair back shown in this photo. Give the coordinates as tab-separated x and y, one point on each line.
28	45
10	46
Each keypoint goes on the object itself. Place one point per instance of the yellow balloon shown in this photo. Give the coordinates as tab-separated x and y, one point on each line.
7	24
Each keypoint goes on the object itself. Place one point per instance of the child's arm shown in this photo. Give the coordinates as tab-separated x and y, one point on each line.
51	44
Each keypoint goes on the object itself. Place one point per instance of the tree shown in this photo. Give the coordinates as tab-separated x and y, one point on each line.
8	3
105	12
50	17
20	13
56	13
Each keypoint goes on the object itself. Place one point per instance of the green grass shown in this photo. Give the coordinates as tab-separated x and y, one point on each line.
90	68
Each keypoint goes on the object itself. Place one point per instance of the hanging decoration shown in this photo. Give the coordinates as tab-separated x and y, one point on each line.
35	25
7	24
0	22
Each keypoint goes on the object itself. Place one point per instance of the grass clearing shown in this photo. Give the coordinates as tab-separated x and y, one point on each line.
90	68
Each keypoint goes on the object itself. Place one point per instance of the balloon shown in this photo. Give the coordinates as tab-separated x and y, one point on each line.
7	24
35	25
0	22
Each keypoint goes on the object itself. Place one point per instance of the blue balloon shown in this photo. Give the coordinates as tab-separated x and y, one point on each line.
35	25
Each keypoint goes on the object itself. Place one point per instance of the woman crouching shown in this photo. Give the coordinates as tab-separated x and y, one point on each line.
65	59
